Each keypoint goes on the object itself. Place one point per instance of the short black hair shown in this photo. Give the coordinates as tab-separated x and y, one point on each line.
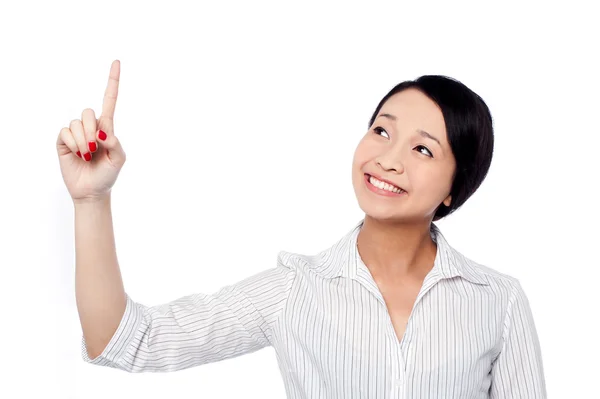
469	127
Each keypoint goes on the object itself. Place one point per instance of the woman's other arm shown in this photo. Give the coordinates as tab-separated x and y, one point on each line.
518	370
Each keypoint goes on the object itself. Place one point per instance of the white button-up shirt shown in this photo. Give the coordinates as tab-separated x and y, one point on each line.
470	334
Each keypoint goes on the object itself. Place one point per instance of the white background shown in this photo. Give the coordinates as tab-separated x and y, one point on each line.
240	119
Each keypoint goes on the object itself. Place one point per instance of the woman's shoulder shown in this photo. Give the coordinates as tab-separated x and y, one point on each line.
328	261
322	262
495	277
472	269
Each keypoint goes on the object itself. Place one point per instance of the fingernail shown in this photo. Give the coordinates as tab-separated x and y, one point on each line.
92	146
102	135
79	154
88	156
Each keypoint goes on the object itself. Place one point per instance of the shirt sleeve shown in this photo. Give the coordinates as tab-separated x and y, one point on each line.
518	372
199	328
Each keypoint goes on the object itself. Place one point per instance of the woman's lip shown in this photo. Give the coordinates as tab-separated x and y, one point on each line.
385	181
379	191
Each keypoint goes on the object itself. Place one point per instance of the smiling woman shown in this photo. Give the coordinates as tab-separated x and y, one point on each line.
390	309
440	131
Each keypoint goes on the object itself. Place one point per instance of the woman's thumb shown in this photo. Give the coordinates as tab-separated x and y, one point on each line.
113	146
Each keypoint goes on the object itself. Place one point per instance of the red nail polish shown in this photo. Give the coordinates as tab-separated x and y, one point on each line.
92	146
102	135
88	156
79	154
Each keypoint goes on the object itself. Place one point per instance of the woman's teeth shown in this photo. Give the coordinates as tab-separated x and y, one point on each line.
385	186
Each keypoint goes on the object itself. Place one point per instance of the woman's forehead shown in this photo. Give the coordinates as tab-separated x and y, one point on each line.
412	109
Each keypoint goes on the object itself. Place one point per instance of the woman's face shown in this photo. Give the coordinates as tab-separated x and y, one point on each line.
398	148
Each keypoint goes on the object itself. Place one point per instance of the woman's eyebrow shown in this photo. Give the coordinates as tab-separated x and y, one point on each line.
420	131
389	116
429	136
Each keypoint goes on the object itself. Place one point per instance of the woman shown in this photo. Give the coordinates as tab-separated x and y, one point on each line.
389	310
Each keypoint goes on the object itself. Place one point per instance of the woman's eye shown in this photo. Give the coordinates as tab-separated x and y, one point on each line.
429	154
379	129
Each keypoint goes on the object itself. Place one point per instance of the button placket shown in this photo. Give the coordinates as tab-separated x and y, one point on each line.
397	366
400	372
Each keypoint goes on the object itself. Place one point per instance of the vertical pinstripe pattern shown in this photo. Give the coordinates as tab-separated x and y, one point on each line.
470	335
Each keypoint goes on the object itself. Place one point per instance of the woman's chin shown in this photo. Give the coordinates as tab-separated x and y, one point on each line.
381	213
386	213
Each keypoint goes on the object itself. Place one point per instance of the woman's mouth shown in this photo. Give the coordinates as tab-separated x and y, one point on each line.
382	188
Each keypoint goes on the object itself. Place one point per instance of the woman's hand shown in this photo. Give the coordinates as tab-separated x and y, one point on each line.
89	153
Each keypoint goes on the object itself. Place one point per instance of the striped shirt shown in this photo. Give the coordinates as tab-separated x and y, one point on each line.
470	334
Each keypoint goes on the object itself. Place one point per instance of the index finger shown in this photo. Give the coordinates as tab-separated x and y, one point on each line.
112	90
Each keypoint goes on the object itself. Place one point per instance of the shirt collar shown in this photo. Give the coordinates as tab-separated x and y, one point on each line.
343	260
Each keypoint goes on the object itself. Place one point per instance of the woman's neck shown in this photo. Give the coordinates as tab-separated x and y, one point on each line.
396	251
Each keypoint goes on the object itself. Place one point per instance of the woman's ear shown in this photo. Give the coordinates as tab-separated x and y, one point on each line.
448	201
